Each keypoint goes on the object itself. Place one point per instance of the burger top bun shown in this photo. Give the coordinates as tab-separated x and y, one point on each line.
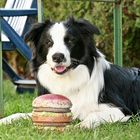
52	101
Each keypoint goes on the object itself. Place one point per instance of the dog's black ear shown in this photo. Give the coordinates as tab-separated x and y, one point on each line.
85	26
34	34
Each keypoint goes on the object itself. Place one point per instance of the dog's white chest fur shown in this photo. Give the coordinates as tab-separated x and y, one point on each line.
81	88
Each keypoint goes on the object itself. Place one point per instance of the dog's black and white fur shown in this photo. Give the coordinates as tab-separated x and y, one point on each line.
66	61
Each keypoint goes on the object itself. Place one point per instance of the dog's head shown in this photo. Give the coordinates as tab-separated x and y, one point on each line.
62	45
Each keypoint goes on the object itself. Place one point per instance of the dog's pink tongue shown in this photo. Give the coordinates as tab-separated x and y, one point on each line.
60	69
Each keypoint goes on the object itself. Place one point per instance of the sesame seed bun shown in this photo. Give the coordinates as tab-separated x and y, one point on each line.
52	101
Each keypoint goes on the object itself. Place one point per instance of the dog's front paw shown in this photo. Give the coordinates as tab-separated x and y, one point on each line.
87	124
83	124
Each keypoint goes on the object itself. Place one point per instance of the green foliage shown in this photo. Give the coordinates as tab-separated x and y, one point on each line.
2	2
131	32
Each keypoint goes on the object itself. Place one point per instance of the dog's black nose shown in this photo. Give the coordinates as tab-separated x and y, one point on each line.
58	57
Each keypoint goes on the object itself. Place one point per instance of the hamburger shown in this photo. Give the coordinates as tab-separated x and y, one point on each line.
51	111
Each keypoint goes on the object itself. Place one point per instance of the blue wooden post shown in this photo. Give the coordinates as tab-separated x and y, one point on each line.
1	77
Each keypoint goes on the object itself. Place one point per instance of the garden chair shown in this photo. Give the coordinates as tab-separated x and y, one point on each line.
14	23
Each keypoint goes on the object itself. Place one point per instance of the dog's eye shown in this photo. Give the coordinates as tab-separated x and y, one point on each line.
69	40
49	43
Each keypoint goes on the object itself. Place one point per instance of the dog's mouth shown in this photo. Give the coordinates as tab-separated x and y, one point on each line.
60	69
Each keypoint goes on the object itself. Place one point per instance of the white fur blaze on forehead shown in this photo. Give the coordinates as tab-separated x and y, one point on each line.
57	31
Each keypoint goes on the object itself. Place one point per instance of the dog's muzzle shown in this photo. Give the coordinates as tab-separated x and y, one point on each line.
61	69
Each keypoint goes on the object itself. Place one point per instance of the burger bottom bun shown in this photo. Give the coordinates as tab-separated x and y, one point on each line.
51	124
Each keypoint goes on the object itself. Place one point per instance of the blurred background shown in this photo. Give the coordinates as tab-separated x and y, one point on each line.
100	14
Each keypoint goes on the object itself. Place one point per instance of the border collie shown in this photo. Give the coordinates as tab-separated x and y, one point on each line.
65	61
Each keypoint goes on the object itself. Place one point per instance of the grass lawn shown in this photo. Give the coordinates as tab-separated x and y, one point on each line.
24	129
